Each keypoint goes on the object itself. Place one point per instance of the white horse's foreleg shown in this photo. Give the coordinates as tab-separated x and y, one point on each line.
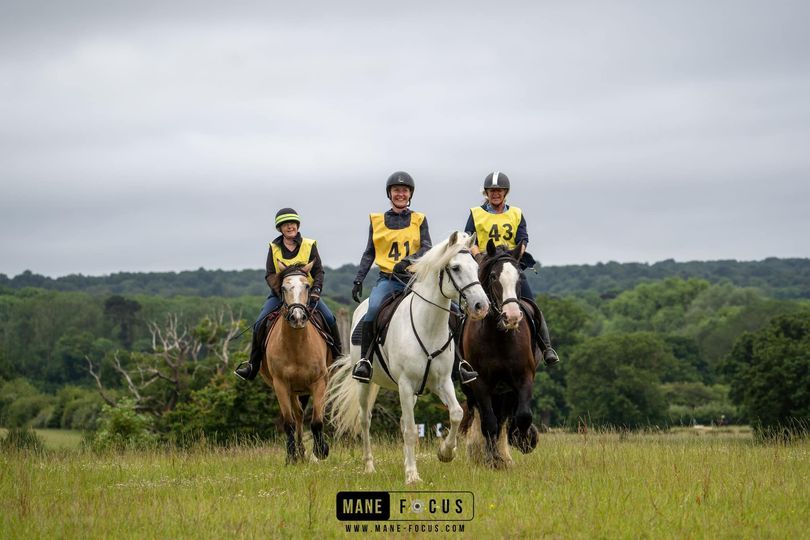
407	401
446	392
365	425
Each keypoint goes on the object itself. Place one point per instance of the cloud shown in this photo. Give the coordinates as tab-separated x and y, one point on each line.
164	136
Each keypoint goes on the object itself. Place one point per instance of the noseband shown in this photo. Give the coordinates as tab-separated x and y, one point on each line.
453	281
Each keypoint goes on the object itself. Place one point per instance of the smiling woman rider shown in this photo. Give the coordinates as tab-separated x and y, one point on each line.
289	248
395	238
505	225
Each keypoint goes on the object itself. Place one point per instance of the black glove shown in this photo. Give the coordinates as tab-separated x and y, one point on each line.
314	296
357	291
402	266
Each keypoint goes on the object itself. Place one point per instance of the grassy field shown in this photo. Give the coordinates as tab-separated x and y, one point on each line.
674	485
56	439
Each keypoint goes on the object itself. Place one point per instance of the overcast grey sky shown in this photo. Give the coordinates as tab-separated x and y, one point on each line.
146	136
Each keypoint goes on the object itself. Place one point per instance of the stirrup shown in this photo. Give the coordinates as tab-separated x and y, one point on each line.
362	377
465	375
245	376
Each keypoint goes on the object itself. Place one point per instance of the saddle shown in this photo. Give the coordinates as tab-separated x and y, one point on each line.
315	317
381	321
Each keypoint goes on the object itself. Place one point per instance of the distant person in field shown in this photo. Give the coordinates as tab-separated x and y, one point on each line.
505	225
289	248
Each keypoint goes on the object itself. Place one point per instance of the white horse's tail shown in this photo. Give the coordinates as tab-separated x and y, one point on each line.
343	399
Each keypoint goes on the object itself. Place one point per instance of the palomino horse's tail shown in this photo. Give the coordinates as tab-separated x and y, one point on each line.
343	398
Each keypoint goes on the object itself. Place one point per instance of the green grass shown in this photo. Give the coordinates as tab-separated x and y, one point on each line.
56	439
674	485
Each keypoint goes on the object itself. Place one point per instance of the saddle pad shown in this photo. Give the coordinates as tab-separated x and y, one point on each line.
380	328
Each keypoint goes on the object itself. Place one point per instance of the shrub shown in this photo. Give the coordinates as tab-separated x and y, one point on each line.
122	427
22	439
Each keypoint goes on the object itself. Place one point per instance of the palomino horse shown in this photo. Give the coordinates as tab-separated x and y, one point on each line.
500	349
418	351
296	363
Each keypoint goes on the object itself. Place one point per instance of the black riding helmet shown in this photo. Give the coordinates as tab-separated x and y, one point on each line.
399	178
286	215
496	180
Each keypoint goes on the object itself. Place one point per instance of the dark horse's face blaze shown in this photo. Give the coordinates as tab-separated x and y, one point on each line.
500	275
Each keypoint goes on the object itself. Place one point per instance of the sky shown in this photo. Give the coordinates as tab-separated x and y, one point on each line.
157	136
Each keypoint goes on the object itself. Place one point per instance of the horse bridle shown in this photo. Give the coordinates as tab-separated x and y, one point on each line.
291	307
498	308
453	281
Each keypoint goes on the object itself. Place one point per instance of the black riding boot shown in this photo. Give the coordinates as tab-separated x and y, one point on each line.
549	355
362	370
248	370
337	346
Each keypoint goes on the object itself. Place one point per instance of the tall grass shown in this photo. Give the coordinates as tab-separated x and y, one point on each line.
613	485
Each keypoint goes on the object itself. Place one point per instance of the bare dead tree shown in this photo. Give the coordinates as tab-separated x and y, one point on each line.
220	349
157	379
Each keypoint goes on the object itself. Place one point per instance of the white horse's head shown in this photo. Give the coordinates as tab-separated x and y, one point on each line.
457	272
295	293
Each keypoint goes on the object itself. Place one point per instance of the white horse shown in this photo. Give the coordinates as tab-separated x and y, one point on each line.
418	351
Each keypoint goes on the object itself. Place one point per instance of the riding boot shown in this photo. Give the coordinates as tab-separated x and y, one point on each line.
362	370
550	357
337	346
248	370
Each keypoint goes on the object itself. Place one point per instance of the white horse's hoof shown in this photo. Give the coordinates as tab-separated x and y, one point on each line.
412	478
446	455
369	468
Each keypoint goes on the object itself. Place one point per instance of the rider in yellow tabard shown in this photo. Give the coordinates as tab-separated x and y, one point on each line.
289	248
505	225
395	238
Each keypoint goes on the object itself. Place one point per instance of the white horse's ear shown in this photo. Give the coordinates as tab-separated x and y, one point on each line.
308	267
453	239
471	241
281	266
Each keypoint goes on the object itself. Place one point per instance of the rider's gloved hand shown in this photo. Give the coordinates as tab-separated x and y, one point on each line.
357	291
402	267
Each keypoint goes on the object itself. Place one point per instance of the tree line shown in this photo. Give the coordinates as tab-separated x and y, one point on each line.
779	278
666	352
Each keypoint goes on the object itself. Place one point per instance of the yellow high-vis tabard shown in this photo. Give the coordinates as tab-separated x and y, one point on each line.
500	228
301	258
393	245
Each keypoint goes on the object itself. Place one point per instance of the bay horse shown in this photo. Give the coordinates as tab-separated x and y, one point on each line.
418	352
500	349
296	362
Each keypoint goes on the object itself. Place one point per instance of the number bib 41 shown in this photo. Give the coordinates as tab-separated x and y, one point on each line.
393	245
500	228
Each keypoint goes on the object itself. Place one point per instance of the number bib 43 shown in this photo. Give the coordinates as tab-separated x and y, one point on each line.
393	245
500	228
